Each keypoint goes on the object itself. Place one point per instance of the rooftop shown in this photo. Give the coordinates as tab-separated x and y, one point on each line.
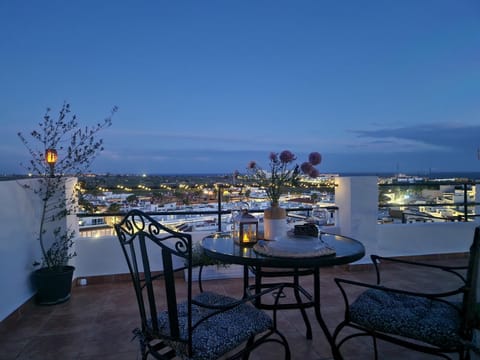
97	322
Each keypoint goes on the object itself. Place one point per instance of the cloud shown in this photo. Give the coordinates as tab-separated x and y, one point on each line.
422	137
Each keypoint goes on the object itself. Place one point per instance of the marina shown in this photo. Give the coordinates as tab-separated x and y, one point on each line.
403	199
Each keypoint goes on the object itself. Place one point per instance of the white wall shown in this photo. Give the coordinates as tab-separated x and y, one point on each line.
104	256
357	200
424	238
99	256
20	212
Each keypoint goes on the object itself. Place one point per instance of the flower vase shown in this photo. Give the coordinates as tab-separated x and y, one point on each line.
274	223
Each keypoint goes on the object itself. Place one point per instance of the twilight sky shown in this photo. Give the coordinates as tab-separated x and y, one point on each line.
206	86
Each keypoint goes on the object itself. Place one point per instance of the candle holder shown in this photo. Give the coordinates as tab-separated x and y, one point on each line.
245	231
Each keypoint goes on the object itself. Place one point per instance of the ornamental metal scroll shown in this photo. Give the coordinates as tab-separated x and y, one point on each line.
137	223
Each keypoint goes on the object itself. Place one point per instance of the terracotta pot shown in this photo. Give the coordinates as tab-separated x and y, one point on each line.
274	223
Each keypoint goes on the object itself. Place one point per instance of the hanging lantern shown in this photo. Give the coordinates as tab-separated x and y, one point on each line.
51	157
245	229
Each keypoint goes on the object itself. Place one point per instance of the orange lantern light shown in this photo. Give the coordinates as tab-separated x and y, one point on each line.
51	158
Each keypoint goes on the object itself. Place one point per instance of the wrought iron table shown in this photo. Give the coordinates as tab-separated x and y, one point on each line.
220	246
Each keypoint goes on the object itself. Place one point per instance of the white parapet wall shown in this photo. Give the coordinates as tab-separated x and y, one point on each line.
20	215
424	238
357	200
103	256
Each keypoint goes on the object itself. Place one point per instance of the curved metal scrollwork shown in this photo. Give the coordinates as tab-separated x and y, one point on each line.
136	222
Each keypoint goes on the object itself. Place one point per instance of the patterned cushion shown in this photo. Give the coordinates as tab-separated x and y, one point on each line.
221	333
418	318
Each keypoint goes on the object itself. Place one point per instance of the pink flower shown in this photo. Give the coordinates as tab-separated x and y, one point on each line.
315	158
287	156
313	173
306	167
281	174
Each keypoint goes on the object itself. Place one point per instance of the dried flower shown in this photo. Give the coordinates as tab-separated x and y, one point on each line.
287	156
306	167
283	172
315	158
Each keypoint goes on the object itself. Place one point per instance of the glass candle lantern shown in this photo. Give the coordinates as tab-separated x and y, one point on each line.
51	157
245	229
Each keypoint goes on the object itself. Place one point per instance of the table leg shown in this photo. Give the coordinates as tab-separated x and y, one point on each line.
318	314
296	284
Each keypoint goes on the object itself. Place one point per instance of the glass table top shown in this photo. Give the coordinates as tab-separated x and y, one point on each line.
291	251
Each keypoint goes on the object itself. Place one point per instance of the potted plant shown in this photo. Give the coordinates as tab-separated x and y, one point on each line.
283	174
60	150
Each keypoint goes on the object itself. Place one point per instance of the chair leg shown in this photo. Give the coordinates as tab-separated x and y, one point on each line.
200	278
252	343
375	349
137	333
143	350
246	355
288	355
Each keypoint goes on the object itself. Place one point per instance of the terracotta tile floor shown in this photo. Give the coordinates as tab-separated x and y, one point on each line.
97	322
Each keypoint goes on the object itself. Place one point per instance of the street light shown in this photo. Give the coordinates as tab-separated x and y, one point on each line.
51	157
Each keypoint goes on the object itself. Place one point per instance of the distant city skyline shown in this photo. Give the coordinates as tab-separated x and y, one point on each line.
206	86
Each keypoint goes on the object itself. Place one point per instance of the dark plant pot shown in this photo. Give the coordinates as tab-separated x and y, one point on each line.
53	286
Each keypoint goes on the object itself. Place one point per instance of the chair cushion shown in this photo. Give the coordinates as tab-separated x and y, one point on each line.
431	321
220	333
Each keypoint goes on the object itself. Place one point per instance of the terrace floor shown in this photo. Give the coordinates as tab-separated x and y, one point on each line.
97	322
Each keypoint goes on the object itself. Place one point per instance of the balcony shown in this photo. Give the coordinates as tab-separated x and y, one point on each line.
97	321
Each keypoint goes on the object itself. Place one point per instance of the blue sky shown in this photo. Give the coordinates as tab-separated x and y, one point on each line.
206	86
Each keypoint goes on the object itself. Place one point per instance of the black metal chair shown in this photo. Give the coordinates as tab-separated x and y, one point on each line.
206	326
441	324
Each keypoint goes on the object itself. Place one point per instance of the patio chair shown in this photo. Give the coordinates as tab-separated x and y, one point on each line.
205	326
436	323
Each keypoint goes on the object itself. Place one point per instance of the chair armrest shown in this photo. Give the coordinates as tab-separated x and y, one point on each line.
436	295
377	259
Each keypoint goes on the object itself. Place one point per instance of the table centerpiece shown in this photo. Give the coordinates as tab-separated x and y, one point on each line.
284	173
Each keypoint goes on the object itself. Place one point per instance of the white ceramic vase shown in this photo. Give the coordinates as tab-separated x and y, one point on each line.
274	223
